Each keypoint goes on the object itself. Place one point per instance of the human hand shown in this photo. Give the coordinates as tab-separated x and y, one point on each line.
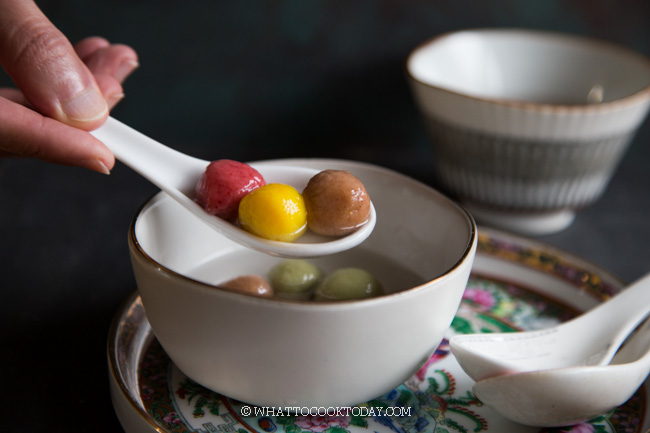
63	90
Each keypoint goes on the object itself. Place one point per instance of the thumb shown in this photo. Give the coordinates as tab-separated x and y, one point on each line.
43	64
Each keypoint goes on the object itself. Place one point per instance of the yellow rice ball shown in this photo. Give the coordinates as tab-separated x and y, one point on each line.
274	211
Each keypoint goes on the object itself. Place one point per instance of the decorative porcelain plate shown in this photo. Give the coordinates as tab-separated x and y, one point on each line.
516	284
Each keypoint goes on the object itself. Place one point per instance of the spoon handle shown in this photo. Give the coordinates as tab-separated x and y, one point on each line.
623	313
637	346
161	165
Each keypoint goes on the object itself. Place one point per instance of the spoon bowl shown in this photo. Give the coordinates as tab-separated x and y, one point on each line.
177	174
590	339
567	396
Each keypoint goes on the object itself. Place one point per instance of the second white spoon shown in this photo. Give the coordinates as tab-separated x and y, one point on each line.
567	396
177	174
590	339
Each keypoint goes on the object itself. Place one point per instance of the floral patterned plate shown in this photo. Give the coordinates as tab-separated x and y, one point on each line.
516	284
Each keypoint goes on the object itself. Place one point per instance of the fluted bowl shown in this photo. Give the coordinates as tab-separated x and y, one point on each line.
527	126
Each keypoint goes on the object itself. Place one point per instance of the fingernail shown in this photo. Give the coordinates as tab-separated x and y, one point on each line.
86	106
113	99
96	165
125	68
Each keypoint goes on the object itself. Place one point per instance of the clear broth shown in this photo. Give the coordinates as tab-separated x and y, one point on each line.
393	276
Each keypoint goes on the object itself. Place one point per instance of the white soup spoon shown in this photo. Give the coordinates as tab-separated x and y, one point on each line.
589	339
177	175
567	396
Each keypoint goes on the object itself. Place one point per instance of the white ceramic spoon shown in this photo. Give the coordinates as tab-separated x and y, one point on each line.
590	339
177	175
567	396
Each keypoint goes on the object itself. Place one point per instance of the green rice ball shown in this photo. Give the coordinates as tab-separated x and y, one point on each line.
294	278
348	283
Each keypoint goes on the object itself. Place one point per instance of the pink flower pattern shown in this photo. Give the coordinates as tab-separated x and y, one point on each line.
172	418
319	423
482	298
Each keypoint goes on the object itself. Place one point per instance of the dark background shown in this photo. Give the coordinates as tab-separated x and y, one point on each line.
246	80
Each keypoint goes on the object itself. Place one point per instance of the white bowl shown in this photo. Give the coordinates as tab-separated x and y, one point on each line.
273	352
528	126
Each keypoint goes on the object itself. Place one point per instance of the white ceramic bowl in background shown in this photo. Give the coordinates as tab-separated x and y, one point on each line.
528	126
274	352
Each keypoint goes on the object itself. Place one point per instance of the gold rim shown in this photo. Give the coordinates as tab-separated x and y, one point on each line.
114	368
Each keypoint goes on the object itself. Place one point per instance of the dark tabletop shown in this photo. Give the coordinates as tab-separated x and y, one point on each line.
246	80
